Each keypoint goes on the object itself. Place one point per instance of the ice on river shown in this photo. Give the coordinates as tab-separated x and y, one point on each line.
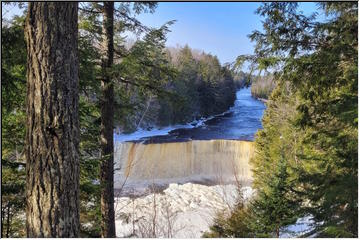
180	211
143	133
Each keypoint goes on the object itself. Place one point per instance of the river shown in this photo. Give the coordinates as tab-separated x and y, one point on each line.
196	153
240	122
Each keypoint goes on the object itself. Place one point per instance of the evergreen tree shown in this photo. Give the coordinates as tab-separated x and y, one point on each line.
274	207
235	224
317	62
13	118
100	23
52	129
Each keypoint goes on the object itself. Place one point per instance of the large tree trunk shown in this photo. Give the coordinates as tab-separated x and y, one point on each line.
107	119
52	131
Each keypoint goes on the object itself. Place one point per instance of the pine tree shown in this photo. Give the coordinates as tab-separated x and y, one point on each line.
274	208
52	133
318	63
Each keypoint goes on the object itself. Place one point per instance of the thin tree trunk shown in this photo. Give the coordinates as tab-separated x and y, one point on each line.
3	207
52	131
107	119
143	115
8	221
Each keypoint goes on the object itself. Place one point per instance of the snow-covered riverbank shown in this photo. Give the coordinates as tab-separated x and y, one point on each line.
180	211
184	211
161	131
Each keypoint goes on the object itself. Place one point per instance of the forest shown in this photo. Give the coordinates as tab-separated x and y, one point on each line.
71	79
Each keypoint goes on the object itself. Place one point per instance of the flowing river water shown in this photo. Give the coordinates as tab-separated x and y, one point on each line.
219	147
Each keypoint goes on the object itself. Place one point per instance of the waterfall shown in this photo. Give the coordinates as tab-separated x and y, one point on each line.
197	160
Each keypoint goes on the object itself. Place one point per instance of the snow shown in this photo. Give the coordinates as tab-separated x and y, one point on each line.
181	211
302	226
142	133
184	211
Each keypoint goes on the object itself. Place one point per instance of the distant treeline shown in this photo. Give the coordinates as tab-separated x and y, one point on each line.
201	87
262	86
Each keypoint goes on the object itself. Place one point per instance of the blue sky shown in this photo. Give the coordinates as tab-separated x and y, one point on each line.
220	28
217	28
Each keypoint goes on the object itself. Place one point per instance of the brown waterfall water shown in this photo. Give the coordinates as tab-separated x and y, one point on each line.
197	160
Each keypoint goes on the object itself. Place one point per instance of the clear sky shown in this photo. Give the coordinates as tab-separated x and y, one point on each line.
220	28
217	28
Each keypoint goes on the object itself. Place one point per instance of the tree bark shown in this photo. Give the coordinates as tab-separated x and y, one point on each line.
107	122
52	131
